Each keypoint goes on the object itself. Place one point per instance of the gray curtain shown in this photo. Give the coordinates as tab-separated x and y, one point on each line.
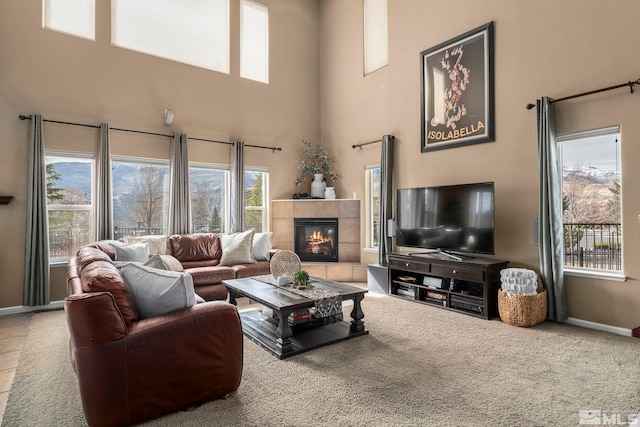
179	193
36	274
104	205
386	198
237	187
550	228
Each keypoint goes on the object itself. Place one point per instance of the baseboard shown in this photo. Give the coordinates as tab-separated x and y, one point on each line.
21	309
599	326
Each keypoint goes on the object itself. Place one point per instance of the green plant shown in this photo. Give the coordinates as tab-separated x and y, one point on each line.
315	160
301	278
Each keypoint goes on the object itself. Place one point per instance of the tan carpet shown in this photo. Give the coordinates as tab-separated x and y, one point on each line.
420	366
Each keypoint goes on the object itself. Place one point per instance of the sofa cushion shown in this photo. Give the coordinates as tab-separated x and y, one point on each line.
136	252
106	246
164	262
261	246
236	248
157	291
157	245
88	254
248	270
103	276
210	275
195	247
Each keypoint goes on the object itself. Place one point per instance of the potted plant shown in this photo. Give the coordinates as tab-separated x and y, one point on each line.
301	279
315	161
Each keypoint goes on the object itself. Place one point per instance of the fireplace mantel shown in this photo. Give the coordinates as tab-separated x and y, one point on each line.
346	210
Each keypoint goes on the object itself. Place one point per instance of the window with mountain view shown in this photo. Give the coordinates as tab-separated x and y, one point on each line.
209	198
256	213
140	197
372	190
69	181
591	189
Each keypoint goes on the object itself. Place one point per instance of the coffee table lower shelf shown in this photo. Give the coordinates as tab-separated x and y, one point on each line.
261	329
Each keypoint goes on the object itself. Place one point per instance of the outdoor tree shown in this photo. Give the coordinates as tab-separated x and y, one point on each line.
147	198
54	194
254	197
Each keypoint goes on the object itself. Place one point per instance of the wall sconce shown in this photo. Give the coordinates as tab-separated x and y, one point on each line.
169	116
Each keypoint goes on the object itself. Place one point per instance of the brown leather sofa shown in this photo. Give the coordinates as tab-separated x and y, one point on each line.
200	255
131	370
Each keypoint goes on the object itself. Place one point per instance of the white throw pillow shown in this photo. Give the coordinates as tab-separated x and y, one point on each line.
261	246
157	244
158	292
137	252
236	248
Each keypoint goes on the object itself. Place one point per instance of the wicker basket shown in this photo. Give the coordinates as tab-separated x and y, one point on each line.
523	310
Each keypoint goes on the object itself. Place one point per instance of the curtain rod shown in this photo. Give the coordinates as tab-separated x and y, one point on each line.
630	84
23	117
365	143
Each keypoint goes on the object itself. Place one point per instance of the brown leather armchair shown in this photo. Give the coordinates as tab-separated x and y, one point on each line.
132	370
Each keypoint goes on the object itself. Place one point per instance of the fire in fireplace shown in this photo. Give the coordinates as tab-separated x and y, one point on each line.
316	239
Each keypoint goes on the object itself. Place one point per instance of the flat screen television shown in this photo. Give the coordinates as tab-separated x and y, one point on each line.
448	218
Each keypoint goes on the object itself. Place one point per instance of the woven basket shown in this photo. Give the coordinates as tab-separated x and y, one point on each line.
522	310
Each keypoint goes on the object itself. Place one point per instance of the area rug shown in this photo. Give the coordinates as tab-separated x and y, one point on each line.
419	366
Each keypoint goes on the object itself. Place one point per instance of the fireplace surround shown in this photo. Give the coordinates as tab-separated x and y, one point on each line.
316	239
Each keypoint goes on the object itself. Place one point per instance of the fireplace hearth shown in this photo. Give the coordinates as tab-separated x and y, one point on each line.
316	239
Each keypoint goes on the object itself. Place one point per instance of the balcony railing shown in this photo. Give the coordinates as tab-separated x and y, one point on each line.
597	246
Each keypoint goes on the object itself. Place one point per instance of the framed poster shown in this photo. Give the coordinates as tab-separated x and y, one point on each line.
457	91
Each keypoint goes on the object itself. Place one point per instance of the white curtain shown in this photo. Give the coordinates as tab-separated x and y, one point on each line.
36	274
104	205
386	198
237	187
179	193
550	229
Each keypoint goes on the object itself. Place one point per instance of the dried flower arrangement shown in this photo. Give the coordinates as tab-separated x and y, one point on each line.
315	160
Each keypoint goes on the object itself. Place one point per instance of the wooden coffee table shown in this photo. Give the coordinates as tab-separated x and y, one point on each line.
276	336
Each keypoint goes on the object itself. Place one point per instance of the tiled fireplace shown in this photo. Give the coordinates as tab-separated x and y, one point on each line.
345	211
316	239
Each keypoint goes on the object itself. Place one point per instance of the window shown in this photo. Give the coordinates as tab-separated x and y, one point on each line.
140	197
75	17
190	31
591	190
209	198
69	204
372	208
376	35
256	213
254	41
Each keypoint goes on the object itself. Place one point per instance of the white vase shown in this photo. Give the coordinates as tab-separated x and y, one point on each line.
318	186
330	193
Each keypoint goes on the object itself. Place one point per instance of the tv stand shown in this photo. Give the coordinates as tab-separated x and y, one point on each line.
467	286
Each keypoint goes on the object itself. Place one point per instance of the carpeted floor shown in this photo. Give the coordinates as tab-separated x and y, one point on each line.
420	366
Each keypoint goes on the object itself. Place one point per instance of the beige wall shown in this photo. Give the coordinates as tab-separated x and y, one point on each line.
71	79
544	47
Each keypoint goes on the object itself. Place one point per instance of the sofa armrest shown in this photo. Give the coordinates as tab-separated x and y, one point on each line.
164	364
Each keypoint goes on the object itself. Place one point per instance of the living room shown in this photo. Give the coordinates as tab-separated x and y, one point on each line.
317	91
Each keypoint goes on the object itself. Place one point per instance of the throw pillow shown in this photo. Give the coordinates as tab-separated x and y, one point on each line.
158	292
236	248
261	246
164	262
157	244
137	252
